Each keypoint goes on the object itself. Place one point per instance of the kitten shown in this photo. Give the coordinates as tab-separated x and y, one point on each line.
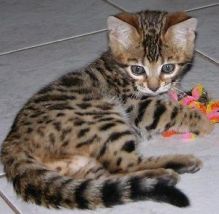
73	144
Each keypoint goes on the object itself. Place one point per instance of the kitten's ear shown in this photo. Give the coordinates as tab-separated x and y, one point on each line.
122	29
180	29
124	38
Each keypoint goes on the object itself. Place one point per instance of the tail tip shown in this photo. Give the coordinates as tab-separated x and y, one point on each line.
172	195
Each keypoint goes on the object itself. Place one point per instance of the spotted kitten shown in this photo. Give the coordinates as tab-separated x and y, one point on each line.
73	144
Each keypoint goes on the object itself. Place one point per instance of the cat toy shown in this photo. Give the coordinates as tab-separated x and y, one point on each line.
196	98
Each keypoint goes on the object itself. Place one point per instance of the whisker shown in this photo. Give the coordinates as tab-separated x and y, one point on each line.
179	89
176	82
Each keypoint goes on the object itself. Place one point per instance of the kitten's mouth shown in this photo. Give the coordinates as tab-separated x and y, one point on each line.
147	91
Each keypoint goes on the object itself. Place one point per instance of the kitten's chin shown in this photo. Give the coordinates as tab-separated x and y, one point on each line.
147	91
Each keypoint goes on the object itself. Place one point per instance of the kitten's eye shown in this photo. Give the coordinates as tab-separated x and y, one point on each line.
167	68
137	70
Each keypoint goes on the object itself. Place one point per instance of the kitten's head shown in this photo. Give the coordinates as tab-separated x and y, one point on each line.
154	47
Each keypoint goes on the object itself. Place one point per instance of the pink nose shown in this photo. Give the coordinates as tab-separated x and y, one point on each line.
154	88
153	84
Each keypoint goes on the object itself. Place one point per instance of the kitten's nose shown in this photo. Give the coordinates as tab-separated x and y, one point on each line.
153	86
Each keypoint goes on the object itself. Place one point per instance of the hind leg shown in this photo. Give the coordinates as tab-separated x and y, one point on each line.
129	162
132	161
80	167
121	156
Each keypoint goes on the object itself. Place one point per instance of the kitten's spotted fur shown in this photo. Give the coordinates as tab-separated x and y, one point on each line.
74	142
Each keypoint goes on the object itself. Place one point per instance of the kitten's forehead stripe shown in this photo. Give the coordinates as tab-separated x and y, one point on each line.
132	60
152	26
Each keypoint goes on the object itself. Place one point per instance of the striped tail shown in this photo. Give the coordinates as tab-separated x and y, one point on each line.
34	183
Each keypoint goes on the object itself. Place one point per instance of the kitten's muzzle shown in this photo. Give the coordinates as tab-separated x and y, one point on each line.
153	84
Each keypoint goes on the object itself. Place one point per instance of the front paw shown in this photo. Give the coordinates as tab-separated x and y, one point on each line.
199	124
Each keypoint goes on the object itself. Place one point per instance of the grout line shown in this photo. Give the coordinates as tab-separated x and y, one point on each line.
2	175
202	7
8	202
206	57
115	5
52	42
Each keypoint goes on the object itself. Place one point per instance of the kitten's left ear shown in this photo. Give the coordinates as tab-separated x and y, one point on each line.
180	29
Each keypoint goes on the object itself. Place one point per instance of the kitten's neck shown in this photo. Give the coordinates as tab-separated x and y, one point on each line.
113	70
116	72
108	77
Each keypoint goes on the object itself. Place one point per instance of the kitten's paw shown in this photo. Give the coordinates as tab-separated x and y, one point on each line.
169	177
200	124
185	164
165	176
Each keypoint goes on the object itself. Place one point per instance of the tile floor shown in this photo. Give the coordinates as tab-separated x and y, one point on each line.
40	40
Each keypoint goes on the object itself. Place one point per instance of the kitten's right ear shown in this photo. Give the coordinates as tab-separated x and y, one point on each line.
124	38
180	29
120	31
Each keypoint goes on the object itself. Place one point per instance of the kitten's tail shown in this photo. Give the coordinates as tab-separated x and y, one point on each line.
37	184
